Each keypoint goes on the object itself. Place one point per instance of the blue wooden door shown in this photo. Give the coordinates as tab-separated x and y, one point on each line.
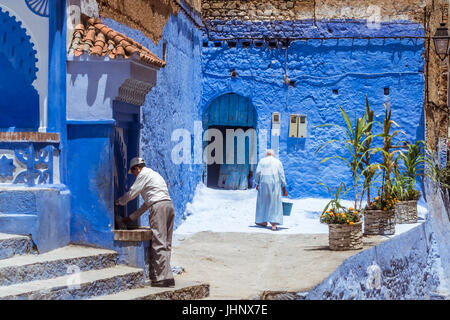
232	111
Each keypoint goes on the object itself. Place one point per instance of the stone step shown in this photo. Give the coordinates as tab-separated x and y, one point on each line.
82	285
21	224
183	290
11	245
56	263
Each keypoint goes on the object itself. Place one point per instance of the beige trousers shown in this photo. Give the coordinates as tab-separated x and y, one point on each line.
161	222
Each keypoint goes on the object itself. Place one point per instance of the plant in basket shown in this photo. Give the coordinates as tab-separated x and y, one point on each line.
379	215
335	213
357	139
345	226
404	187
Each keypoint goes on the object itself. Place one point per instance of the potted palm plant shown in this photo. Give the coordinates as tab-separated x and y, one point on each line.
379	215
345	226
404	189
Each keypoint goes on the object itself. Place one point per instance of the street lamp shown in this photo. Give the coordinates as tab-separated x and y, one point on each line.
441	41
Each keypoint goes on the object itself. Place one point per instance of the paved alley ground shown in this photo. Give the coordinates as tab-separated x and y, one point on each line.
219	244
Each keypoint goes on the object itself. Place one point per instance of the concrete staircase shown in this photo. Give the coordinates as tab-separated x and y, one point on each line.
77	272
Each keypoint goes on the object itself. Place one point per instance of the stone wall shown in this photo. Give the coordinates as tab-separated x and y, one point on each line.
149	17
385	10
437	81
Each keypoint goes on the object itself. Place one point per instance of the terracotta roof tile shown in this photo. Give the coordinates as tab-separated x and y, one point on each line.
95	38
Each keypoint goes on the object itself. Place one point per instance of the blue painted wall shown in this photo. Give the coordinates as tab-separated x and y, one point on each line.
19	104
172	104
43	212
90	182
355	68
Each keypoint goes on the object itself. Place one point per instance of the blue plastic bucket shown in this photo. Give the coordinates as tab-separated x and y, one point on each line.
287	208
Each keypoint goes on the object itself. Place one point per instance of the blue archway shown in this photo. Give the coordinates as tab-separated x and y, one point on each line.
232	111
19	103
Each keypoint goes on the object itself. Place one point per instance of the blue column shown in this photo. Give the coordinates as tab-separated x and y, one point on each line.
57	78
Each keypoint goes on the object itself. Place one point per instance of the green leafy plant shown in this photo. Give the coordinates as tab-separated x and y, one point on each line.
369	169
404	185
413	160
335	202
440	176
444	176
404	188
334	212
357	141
431	167
389	157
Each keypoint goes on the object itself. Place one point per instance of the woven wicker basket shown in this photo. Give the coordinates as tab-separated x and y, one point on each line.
345	236
379	222
406	212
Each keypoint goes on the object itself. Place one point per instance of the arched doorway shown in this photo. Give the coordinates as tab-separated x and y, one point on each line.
234	116
19	104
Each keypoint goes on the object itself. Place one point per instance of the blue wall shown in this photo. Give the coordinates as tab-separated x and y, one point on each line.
172	104
355	68
42	211
19	105
91	164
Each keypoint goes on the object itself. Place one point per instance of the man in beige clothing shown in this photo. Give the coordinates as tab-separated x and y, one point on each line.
153	189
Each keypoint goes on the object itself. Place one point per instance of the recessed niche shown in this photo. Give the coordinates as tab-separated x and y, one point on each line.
335	91
386	91
272	44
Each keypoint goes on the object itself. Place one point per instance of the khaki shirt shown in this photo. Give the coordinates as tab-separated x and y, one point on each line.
152	188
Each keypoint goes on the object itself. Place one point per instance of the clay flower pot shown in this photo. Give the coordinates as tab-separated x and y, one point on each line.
406	212
345	236
379	222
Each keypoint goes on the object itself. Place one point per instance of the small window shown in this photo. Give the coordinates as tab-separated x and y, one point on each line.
335	91
276	118
386	91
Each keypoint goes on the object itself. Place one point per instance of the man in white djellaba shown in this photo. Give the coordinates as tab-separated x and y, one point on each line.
270	180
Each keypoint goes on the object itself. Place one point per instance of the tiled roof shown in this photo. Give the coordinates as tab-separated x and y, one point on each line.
95	38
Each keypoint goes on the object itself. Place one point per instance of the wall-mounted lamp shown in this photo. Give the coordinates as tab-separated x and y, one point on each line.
441	41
